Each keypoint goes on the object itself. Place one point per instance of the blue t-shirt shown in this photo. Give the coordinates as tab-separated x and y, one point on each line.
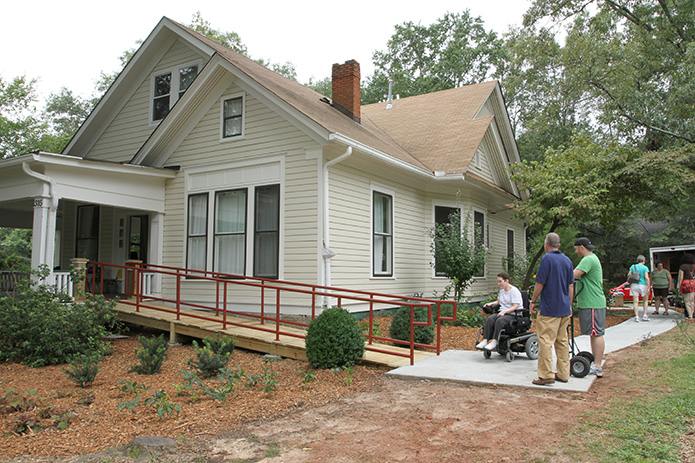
556	274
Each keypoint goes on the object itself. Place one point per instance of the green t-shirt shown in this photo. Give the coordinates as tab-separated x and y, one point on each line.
590	289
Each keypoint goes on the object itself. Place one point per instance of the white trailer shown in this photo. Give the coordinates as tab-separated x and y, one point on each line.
670	256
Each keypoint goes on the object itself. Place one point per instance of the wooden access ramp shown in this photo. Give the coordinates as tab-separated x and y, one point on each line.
248	336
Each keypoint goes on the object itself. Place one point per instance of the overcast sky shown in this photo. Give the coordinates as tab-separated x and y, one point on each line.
68	43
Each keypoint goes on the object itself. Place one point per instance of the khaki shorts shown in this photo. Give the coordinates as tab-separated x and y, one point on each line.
592	321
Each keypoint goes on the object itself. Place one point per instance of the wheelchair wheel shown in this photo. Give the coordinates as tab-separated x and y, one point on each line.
487	354
587	355
509	356
579	366
532	347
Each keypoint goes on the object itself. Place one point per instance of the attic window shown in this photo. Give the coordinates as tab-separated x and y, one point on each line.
168	86
232	116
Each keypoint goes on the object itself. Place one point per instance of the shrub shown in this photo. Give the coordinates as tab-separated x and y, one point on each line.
151	355
400	326
83	370
334	340
37	328
212	356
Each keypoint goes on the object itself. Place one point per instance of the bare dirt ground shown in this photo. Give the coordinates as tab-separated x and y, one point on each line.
346	416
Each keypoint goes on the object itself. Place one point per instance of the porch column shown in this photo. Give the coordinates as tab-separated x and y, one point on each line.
43	235
155	250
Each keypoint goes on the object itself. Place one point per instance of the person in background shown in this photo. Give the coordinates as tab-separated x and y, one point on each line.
591	301
662	283
685	272
510	301
554	286
641	288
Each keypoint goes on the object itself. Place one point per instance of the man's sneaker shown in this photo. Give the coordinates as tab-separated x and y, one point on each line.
598	371
645	319
637	319
491	345
481	344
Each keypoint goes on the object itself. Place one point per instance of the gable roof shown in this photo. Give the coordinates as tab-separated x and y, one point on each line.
436	132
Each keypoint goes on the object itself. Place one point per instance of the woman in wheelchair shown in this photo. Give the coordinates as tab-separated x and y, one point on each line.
509	301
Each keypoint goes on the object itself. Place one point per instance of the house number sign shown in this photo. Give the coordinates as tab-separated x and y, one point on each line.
38	203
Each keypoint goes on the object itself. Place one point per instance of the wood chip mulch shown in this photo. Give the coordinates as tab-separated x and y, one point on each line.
34	401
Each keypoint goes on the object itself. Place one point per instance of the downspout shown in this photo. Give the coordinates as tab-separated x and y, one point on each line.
44	178
46	244
327	252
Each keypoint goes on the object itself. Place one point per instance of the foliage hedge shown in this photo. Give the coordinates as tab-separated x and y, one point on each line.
38	327
334	340
400	326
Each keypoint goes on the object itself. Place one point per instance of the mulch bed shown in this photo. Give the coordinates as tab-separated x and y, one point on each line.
33	401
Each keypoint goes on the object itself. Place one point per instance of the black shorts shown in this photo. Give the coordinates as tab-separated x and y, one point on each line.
660	292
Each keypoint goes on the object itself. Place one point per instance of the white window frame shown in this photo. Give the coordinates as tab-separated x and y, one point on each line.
450	205
246	174
174	90
386	192
232	96
486	232
507	247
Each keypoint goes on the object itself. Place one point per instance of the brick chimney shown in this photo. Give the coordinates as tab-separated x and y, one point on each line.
346	89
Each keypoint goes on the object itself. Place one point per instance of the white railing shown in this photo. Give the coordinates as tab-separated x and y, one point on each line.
63	283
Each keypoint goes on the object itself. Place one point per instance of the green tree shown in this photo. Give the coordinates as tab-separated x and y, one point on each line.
634	61
458	251
599	185
64	114
545	109
454	51
21	126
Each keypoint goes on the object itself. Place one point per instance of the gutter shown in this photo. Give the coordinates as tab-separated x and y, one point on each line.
47	180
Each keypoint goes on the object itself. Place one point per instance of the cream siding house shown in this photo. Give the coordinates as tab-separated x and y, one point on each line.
200	158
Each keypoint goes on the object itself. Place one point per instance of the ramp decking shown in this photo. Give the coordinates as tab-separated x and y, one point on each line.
250	335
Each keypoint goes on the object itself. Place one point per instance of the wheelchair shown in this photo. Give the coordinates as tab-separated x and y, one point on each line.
516	338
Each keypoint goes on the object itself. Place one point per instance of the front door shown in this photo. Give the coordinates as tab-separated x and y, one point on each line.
138	236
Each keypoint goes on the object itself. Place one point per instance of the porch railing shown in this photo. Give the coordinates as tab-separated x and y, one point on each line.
139	292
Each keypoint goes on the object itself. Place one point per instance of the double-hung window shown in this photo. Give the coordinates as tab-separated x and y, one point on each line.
442	215
510	249
479	236
232	117
197	238
382	225
267	232
230	232
228	218
168	87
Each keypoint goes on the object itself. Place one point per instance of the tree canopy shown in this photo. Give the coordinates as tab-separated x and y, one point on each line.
454	51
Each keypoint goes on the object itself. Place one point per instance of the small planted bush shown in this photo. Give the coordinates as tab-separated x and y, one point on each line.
83	370
151	355
334	340
400	326
38	328
212	356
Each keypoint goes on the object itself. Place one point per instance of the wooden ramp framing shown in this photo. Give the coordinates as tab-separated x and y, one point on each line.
249	338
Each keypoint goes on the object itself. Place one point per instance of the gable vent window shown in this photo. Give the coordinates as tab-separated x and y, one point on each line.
232	117
168	87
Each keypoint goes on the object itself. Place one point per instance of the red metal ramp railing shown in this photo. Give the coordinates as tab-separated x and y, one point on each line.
270	314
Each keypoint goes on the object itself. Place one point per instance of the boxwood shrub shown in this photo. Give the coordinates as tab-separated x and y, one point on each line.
400	326
334	340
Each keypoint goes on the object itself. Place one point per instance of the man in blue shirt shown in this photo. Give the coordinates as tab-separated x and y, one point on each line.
555	287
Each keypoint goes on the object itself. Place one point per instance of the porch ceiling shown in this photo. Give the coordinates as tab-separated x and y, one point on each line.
47	175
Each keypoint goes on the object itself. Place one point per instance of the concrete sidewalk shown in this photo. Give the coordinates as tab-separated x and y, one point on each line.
471	367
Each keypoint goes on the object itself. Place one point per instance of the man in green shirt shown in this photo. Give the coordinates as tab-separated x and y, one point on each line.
590	300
